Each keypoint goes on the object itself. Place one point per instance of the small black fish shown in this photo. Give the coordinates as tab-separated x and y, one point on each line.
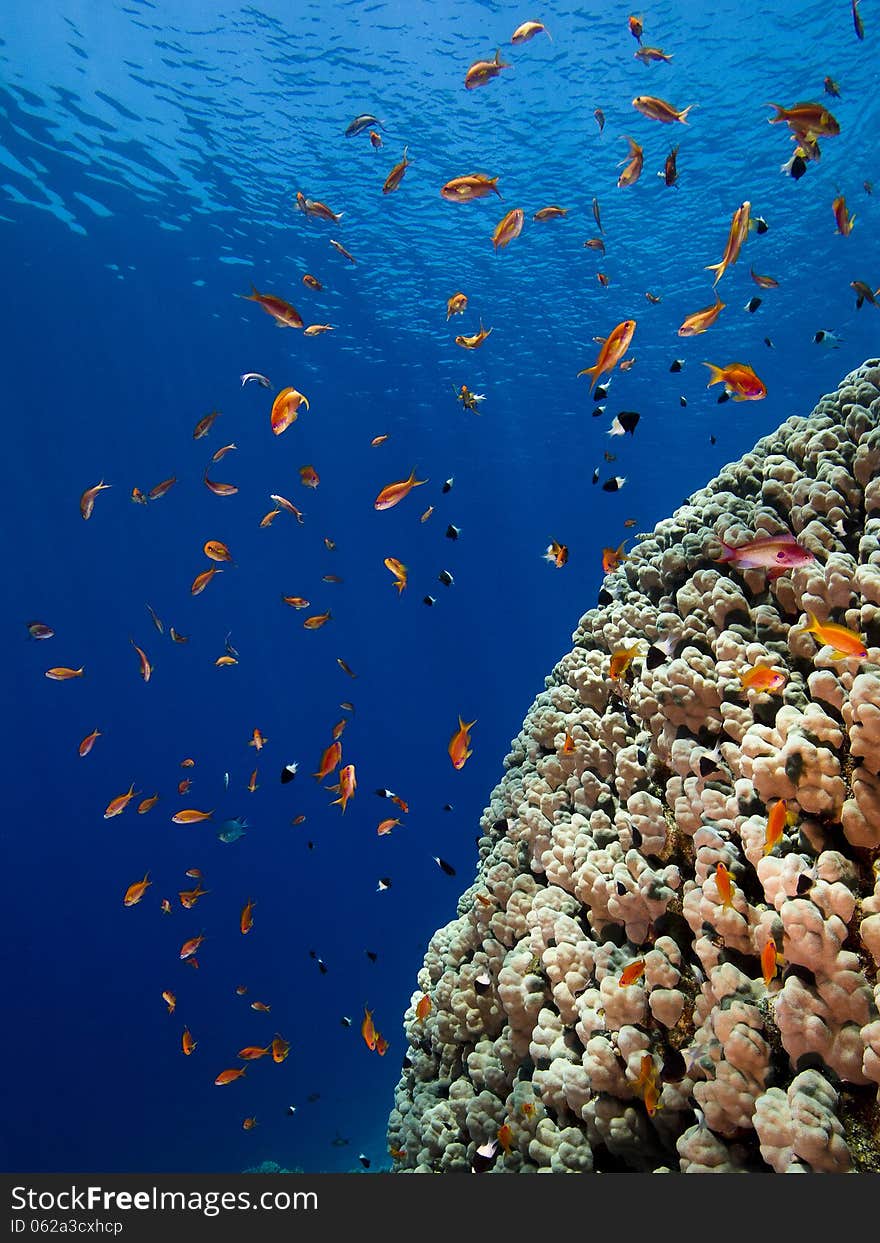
614	484
804	884
596	475
712	440
761	225
445	578
636	836
722	398
600	392
288	773
291	1109
598	411
311	845
683	401
447	807
605	597
384	883
753	304
596	215
345	1021
429	600
656	657
385	793
621	889
364	1160
372	957
797	169
453	532
444	866
769	343
677	364
447	486
629	420
322	966
483	982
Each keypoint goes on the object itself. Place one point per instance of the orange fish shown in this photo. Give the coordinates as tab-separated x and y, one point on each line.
701	320
219	489
648	1085
247	917
260	1005
170	1000
725	886
87	500
368	1031
423	1009
146	667
118	805
329	760
381	1045
191	816
252	1052
393	493
224	661
87	743
195	873
843	642
347	254
135	892
775	824
527	31
505	1139
806	118
378	440
288	505
161	488
459	744
309	476
635	27
216	550
762	678
318	620
189	947
621	659
189	897
312	207
345	787
312	282
769	961
204	425
614	346
375	139
148	804
186	1042
249	1124
482	71
285	409
476	340
550	213
394	178
648	54
285	315
269	518
659	110
603	281
138	497
484	900
222	451
62	674
178	638
631	973
556	554
241	989
401	803
386	826
507	228
633	170
739	231
427	514
228	1076
201	581
595	243
568	747
763	282
398	569
738	379
252	784
474	186
296	602
165	906
258	740
842	217
280	1048
613	557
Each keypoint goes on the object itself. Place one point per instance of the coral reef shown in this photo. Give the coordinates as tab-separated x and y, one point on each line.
639	979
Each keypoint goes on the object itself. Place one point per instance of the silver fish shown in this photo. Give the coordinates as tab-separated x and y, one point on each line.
262	380
360	123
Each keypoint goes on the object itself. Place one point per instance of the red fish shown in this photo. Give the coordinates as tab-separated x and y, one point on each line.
459	743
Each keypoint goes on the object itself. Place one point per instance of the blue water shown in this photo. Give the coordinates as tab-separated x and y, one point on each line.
150	157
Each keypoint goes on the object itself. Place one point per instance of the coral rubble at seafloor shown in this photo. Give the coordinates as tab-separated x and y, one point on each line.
593	859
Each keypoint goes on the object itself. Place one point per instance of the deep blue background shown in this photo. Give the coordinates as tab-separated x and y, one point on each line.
150	157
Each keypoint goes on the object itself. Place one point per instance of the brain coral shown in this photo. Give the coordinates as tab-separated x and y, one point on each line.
638	980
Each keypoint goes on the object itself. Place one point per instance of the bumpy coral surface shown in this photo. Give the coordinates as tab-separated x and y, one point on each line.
637	979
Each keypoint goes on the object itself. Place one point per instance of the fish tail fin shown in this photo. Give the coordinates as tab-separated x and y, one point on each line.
728	552
717	374
592	372
682	116
718	268
780	113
